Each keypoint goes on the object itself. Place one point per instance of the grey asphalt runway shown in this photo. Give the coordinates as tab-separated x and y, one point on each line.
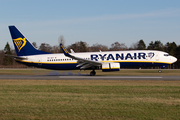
85	77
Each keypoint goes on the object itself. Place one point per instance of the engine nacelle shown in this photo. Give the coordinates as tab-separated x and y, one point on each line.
106	67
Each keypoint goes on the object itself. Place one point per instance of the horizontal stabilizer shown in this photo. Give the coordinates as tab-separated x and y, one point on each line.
17	57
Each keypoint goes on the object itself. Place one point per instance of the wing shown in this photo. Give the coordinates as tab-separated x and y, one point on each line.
82	63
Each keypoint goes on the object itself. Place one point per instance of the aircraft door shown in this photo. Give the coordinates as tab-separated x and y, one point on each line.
157	56
40	61
147	57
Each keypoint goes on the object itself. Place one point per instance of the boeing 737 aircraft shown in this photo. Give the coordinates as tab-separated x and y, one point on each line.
107	61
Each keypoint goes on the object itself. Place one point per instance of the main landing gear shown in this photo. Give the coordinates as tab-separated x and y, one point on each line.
92	73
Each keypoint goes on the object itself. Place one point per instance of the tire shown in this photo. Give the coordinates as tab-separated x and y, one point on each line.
92	73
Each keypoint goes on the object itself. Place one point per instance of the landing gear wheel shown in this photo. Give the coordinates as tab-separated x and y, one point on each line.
159	71
92	73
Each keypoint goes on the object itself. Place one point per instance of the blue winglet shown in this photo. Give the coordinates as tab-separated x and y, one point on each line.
64	50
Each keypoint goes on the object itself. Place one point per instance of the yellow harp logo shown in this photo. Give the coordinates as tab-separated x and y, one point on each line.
20	43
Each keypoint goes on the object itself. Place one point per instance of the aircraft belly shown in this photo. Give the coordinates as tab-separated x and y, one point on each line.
60	66
140	64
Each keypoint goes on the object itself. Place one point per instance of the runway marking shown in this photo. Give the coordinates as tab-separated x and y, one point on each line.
111	77
140	77
87	77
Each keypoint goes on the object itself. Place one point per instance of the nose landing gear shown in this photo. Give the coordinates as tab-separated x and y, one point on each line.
159	71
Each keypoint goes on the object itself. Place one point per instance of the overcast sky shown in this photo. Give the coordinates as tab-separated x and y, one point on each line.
91	21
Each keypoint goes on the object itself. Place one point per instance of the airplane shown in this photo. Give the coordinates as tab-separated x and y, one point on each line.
106	60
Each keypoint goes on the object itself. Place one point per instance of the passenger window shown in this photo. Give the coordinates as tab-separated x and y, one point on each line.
166	54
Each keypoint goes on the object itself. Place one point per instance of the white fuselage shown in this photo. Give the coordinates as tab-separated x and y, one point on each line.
132	58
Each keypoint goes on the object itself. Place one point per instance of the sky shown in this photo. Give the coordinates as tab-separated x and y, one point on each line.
91	21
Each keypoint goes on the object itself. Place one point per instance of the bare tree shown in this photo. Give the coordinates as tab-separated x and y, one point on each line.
1	57
78	47
61	41
134	46
35	45
45	47
116	46
140	45
55	49
97	47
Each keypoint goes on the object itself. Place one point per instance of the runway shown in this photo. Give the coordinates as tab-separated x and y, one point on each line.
57	77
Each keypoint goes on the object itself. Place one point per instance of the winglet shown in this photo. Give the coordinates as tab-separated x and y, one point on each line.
72	51
64	50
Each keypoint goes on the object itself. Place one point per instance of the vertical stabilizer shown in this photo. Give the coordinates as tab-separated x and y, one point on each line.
22	46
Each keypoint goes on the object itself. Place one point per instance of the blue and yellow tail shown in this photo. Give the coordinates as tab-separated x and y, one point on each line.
22	46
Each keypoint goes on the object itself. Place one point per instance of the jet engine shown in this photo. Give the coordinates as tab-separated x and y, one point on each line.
106	67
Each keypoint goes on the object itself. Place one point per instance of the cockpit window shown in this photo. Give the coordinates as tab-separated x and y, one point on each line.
166	54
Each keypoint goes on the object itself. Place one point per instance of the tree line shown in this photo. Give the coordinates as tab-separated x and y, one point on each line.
170	47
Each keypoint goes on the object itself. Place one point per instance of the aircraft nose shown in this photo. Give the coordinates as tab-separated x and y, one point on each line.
173	59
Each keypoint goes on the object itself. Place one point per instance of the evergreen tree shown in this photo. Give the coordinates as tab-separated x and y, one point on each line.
151	46
141	45
7	51
177	55
170	48
157	45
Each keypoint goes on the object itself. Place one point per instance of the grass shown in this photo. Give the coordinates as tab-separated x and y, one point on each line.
122	72
89	99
